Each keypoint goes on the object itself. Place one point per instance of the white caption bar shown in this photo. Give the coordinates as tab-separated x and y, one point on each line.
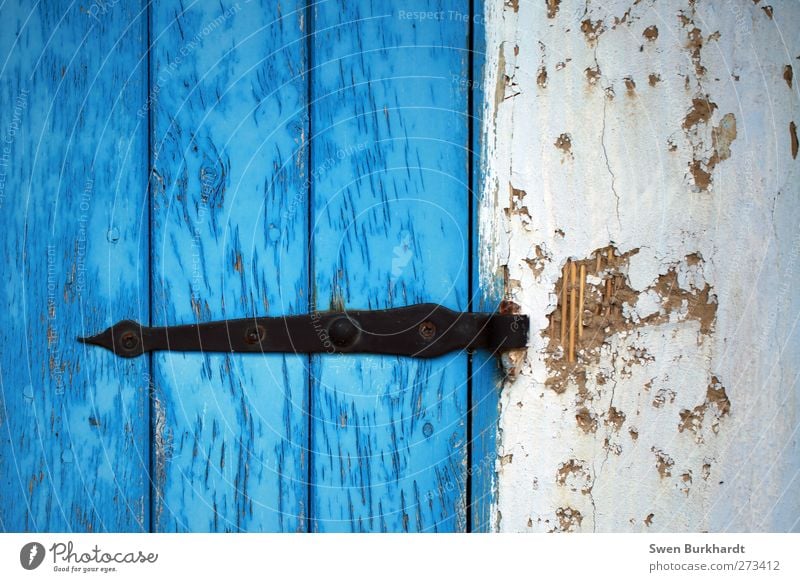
352	558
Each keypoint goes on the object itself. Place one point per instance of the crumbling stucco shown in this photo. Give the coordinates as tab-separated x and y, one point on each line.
641	206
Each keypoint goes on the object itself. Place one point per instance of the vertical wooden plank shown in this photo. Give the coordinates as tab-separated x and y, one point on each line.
229	240
73	174
390	228
485	377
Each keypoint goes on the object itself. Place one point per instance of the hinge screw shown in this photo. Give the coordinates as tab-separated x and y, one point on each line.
427	329
254	335
129	340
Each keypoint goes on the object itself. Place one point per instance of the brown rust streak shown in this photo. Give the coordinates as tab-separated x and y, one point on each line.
716	403
552	8
700	112
592	30
651	33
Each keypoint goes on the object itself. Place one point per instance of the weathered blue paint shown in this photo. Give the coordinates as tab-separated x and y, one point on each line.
73	158
229	240
485	376
192	442
389	228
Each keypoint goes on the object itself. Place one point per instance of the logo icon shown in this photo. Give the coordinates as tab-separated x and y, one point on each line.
31	555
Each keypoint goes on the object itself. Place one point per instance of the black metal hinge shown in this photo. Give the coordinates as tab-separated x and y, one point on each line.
424	330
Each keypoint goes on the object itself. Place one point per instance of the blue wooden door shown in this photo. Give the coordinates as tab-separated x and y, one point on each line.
179	163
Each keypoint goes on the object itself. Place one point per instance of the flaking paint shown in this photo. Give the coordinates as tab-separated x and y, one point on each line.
682	416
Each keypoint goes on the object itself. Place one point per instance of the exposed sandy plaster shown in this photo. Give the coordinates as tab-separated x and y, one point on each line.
661	133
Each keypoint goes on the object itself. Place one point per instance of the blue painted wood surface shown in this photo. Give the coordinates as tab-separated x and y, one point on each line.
243	214
229	210
485	373
73	171
389	228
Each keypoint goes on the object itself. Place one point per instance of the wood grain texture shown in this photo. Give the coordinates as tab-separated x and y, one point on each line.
485	372
73	169
229	240
389	228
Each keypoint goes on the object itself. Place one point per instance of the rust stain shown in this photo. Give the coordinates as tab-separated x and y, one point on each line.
513	4
721	138
568	519
577	471
516	207
630	86
650	33
592	74
592	30
768	11
700	112
587	421
695	44
237	264
664	463
700	175
552	8
716	403
502	80
700	306
686	478
564	143
537	262
653	79
634	433
788	75
663	396
541	77
793	138
615	418
648	521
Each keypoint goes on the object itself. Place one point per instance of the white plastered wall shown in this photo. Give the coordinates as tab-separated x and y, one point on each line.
674	149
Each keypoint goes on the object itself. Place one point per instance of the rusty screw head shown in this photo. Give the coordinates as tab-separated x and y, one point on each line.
254	335
129	340
427	329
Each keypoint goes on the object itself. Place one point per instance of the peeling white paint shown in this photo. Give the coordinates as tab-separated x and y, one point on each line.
678	146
